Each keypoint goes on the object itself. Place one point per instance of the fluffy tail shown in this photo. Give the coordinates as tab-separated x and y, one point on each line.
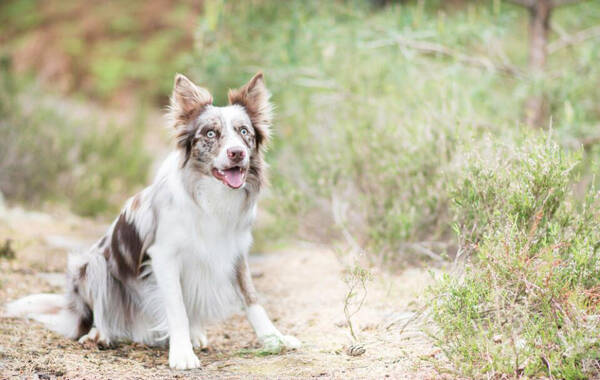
69	314
50	309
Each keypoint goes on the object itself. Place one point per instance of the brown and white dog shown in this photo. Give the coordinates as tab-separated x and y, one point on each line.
176	257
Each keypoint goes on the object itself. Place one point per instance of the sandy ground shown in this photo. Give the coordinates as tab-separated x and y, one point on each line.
302	288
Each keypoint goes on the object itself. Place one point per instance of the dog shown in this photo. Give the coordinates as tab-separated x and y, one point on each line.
176	258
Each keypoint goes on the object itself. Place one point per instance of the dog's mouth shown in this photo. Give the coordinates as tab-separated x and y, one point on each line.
233	177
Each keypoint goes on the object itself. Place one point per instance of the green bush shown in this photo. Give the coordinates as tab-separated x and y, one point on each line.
527	302
48	153
392	148
368	130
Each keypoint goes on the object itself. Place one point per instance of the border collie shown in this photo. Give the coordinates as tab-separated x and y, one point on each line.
175	259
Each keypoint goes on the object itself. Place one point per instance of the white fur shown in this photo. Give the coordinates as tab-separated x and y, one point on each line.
193	259
267	333
49	309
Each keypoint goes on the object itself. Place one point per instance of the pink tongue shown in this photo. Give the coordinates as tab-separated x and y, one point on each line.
233	177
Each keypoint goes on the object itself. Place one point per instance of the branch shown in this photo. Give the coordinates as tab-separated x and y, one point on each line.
560	3
419	248
522	3
430	48
553	4
579	37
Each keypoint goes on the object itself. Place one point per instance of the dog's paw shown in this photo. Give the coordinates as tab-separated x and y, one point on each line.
275	343
291	342
183	358
199	339
94	339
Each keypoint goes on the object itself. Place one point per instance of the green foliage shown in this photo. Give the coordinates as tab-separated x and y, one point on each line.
528	300
356	279
104	50
46	153
368	131
395	147
505	180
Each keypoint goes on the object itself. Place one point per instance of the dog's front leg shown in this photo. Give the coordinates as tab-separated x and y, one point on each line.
267	333
168	277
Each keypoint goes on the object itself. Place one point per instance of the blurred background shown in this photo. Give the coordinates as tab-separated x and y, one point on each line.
375	99
409	131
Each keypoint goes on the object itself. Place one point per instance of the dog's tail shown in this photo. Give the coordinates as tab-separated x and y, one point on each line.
68	314
50	309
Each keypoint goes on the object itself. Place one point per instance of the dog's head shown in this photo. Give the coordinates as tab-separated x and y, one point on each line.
225	142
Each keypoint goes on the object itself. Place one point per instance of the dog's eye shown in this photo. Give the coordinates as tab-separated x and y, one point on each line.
244	131
211	134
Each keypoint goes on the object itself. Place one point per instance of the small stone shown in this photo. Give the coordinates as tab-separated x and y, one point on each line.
356	350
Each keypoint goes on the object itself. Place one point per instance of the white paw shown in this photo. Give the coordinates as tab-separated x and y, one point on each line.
94	338
291	342
183	358
199	339
276	343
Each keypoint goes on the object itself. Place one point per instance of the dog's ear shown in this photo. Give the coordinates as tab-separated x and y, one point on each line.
187	101
254	97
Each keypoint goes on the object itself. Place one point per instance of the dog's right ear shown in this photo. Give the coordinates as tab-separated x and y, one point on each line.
187	101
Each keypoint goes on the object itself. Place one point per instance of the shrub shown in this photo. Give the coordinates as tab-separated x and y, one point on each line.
368	129
527	302
49	153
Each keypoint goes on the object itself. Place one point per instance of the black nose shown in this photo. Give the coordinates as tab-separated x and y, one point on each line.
236	154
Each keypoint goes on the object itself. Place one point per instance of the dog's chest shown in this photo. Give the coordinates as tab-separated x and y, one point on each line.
221	228
219	233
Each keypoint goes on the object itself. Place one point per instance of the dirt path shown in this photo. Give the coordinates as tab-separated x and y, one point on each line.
302	289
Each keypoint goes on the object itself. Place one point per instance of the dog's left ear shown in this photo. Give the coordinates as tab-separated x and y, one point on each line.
254	97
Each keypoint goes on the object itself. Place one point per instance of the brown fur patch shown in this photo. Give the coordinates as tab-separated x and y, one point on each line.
137	200
53	310
144	260
244	280
188	99
83	272
79	307
126	248
102	241
187	102
85	322
257	177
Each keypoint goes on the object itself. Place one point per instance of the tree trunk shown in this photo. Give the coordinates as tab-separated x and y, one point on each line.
539	29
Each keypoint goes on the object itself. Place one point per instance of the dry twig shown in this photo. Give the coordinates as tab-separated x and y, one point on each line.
430	48
579	37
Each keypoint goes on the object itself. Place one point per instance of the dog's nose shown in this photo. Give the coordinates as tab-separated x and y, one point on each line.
236	154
